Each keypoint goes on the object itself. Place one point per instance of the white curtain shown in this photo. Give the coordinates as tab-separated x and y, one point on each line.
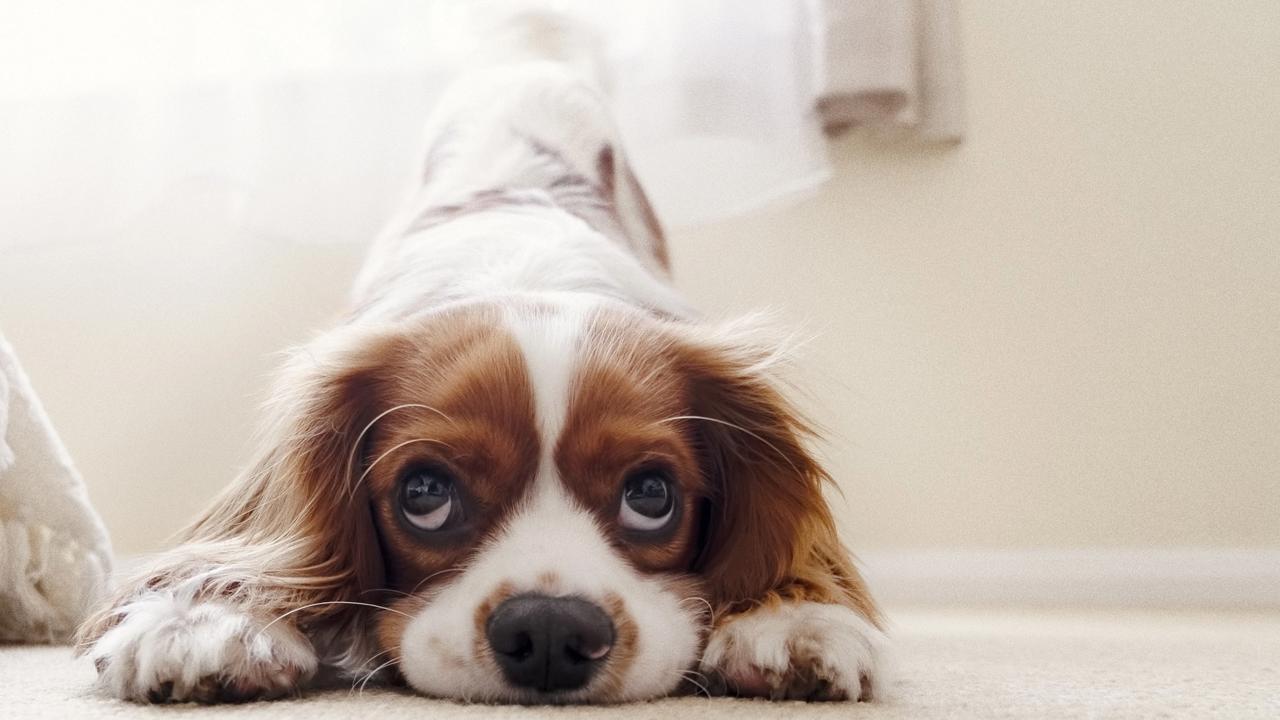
298	120
892	66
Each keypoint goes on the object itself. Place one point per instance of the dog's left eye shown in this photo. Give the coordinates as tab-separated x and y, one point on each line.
428	497
648	501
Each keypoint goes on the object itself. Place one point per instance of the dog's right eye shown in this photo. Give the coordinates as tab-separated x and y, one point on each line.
648	501
429	498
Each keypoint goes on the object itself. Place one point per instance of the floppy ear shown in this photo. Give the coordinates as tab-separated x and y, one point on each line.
768	532
294	529
301	491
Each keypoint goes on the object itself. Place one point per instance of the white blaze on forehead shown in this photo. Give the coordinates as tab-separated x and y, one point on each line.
550	343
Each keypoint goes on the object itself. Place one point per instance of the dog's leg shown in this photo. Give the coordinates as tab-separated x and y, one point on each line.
793	618
170	646
286	554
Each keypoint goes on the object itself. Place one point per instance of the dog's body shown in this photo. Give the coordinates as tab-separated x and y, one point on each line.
522	469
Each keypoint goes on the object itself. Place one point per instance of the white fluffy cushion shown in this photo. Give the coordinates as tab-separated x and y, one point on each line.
54	552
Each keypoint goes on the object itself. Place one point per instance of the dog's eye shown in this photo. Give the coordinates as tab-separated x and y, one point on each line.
428	498
648	501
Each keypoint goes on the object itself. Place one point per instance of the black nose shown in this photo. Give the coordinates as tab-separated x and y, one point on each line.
549	643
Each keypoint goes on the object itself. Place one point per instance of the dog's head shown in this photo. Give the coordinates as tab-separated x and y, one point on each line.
555	498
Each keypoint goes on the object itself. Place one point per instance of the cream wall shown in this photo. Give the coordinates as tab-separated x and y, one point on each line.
1065	333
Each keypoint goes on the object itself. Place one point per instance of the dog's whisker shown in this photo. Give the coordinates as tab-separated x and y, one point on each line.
734	426
308	606
433	575
375	671
689	675
385	590
355	446
368	660
363	475
711	611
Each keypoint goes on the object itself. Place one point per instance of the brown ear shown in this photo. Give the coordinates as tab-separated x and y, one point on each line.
301	490
293	530
769	533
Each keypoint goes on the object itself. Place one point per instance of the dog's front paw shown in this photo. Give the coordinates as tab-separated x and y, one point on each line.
167	650
796	651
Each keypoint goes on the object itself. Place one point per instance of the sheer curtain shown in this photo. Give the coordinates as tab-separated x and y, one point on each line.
298	120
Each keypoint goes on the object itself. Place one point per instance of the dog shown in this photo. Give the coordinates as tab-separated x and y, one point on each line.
520	468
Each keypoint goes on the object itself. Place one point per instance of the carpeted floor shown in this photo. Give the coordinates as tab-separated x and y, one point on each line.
954	664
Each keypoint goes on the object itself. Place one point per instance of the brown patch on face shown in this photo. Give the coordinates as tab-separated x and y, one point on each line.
389	626
548	583
621	419
480	642
468	411
625	638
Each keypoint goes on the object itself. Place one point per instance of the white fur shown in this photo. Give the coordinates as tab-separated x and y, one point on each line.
165	638
483	136
769	643
510	253
550	344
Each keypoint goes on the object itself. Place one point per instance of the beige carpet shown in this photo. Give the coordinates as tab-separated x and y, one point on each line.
955	664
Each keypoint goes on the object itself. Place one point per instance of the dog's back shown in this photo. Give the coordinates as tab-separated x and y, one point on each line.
523	187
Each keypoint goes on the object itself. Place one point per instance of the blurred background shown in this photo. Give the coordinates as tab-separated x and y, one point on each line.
1045	340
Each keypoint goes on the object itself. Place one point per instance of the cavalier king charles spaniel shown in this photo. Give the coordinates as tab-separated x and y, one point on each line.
521	468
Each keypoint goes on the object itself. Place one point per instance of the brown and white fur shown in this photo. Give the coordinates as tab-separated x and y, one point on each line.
515	329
